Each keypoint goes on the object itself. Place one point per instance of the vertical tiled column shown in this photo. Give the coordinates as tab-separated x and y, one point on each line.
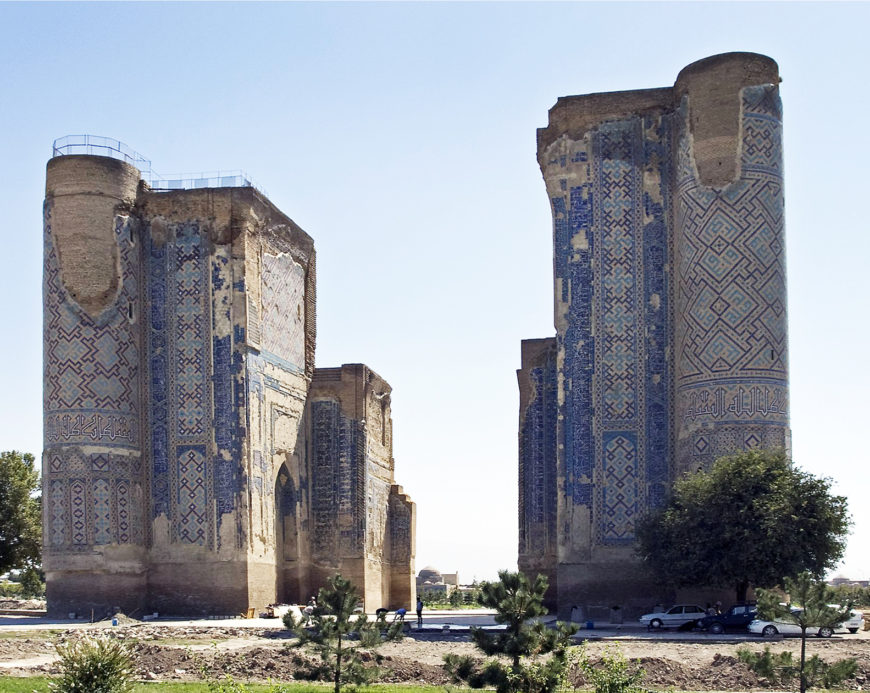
731	329
92	461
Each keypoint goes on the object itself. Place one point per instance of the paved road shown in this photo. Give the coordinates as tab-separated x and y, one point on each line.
433	621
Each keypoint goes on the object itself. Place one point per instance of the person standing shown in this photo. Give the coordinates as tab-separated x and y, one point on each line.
419	612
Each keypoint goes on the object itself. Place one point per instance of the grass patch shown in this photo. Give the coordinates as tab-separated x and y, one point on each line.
39	684
32	634
27	684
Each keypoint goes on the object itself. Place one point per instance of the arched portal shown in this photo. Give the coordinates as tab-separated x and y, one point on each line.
286	537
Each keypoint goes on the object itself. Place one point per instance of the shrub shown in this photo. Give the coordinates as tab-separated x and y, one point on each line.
781	669
612	673
9	589
777	669
94	665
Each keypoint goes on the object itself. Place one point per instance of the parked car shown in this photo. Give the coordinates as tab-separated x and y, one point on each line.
770	628
738	617
676	616
852	624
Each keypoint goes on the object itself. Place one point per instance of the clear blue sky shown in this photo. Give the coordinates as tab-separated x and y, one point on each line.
402	138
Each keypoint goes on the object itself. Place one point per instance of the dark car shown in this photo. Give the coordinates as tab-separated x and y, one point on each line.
738	617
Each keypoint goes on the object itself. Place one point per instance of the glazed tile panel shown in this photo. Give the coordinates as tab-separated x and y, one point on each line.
731	334
538	484
92	468
189	398
283	310
91	365
611	250
338	473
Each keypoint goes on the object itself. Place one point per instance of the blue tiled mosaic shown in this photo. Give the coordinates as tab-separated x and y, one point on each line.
611	250
91	398
338	478
732	349
670	310
538	489
91	364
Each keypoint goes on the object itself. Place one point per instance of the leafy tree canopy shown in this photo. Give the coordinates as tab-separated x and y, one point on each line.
20	522
752	518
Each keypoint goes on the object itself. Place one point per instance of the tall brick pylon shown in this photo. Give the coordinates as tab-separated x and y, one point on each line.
671	343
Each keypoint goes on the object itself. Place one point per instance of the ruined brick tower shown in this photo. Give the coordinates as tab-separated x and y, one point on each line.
670	315
195	460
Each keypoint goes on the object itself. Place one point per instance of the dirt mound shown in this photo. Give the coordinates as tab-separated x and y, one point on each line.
723	673
22	604
263	663
400	670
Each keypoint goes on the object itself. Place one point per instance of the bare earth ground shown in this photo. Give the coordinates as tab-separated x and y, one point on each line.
174	653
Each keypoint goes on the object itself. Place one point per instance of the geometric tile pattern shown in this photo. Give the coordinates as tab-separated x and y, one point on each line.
91	366
189	317
192	496
91	398
79	496
731	341
619	490
611	249
227	366
283	310
157	355
338	477
178	296
325	418
616	185
670	313
57	513
89	501
102	512
189	332
124	504
537	500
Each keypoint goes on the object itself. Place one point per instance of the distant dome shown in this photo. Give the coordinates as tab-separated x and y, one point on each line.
429	574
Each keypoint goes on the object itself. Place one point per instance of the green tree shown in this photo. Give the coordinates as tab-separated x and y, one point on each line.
809	608
752	519
32	583
455	598
859	596
339	635
20	510
516	602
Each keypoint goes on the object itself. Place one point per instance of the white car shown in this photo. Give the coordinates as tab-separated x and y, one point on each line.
854	623
676	616
771	628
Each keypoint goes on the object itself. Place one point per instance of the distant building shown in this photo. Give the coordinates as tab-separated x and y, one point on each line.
838	581
429	579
